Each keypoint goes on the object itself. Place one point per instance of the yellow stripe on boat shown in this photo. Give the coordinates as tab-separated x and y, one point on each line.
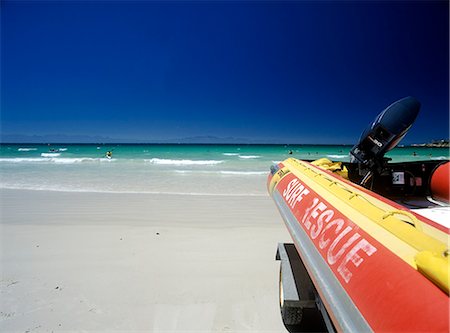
399	231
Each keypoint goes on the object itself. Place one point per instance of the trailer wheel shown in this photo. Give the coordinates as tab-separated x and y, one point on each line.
290	315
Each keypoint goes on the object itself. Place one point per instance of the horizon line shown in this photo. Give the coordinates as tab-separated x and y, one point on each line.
174	143
217	143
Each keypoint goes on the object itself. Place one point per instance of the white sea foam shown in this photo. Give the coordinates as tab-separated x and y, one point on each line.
78	160
337	156
23	160
26	149
249	156
60	160
162	161
62	149
50	154
230	154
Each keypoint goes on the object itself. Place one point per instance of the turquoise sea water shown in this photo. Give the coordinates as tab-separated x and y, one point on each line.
184	169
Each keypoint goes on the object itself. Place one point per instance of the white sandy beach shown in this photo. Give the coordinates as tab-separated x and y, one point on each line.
138	262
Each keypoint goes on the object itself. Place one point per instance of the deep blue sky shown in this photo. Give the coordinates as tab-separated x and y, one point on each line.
298	71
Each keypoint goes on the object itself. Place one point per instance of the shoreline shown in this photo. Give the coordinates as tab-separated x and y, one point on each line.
100	192
161	263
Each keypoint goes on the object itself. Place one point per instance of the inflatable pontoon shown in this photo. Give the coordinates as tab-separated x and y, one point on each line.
370	238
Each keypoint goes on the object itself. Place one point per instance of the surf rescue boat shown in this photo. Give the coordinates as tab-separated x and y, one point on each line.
370	238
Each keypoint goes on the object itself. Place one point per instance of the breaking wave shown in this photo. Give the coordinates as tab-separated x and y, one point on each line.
162	161
337	156
249	156
50	154
26	149
53	160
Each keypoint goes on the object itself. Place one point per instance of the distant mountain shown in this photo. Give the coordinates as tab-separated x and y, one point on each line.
443	143
210	139
57	138
62	138
86	139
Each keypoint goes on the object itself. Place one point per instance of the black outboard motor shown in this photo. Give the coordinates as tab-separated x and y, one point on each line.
383	134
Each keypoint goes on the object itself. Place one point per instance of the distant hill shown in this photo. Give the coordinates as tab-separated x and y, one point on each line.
57	138
62	138
210	139
444	143
206	139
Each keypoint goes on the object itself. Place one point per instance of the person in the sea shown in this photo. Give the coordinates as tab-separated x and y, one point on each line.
108	154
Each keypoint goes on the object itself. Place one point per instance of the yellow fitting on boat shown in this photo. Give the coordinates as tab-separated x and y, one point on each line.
414	221
336	167
435	267
411	234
